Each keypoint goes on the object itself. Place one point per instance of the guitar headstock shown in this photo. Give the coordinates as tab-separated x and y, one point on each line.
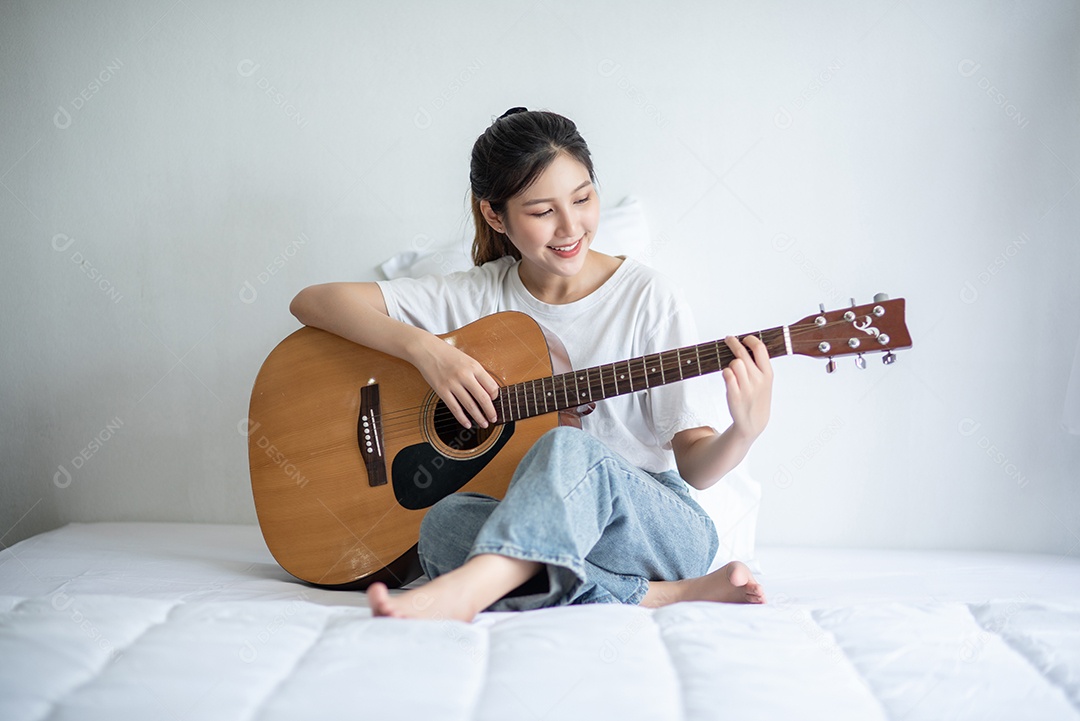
860	329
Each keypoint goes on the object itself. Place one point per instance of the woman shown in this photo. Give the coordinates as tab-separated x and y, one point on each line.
592	515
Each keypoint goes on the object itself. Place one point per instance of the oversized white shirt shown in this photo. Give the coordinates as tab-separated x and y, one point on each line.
636	312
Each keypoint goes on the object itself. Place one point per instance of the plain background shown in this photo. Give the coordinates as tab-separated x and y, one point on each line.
173	172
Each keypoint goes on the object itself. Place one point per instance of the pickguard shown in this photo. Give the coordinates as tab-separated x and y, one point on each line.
421	475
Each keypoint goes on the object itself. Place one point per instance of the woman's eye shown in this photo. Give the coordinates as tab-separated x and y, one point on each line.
579	201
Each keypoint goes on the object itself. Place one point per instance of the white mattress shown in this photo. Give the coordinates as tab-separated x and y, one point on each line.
141	620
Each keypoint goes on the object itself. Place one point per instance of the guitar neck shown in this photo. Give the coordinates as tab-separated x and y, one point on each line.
581	387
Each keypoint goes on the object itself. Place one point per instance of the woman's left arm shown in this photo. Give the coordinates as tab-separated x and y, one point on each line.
704	456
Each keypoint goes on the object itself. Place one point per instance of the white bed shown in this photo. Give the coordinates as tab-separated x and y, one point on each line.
155	620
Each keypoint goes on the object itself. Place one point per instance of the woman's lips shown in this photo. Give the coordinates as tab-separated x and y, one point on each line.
568	251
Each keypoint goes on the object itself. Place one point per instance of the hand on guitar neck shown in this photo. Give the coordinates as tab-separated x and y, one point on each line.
749	386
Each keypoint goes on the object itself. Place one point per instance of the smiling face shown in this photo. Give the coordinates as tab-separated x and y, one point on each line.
552	222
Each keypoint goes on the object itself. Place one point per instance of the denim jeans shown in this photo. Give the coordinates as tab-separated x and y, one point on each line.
602	527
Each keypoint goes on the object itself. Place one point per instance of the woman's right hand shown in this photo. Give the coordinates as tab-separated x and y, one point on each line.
459	380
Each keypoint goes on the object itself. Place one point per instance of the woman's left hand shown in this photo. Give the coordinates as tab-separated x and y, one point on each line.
749	385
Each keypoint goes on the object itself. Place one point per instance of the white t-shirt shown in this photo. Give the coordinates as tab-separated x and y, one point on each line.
636	312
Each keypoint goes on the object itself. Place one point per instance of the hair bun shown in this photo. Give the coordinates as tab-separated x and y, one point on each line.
513	111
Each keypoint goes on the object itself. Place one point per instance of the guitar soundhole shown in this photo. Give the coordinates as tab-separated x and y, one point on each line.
455	436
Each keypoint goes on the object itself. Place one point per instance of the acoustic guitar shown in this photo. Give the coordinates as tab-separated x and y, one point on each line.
348	447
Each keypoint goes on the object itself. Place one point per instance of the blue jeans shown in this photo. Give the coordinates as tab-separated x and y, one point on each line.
602	527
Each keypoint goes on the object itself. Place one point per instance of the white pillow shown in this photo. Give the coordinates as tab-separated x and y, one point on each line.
734	500
733	503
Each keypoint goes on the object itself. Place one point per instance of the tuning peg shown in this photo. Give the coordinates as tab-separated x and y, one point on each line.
889	358
881	297
860	362
822	306
852	302
830	366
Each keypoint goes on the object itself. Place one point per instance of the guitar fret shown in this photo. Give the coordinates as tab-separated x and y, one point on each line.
628	376
523	400
712	361
655	364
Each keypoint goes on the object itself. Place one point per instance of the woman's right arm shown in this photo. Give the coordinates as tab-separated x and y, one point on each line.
357	312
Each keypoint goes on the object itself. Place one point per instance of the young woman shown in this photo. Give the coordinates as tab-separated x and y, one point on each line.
599	514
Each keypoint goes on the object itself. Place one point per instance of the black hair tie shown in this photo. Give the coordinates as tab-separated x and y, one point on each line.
513	111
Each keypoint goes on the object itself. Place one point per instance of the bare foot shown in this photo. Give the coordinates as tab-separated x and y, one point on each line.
732	583
458	595
440	601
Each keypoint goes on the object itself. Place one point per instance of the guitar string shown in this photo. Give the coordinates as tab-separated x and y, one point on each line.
408	415
444	421
667	366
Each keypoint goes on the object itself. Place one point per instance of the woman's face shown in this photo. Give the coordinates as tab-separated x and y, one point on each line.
553	221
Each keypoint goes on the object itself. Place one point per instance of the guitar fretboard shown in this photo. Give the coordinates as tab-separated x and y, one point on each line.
580	387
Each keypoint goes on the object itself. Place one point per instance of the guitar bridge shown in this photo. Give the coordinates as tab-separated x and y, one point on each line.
369	435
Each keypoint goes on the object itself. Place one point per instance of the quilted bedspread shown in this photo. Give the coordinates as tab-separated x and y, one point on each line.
192	621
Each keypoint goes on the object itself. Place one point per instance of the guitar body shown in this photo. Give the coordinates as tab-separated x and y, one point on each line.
320	515
348	447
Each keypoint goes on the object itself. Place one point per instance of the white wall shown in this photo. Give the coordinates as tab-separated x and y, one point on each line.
173	173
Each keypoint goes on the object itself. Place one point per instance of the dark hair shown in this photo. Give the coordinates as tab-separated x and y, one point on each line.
507	158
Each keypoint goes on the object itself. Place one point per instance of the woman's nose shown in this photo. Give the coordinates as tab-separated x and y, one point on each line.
569	225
